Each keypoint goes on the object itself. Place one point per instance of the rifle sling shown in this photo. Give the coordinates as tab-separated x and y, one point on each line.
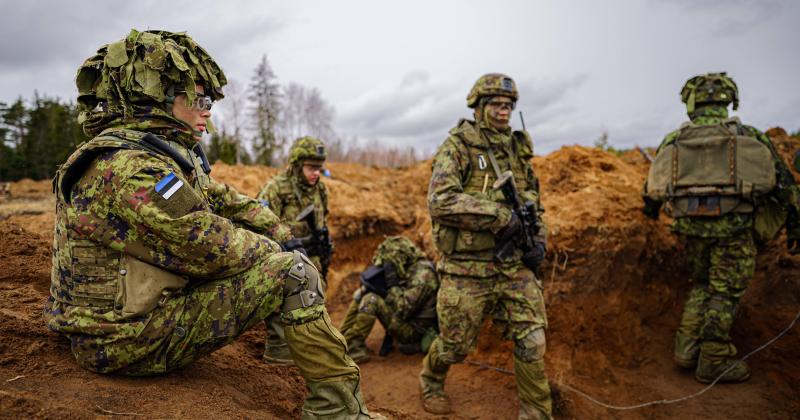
493	161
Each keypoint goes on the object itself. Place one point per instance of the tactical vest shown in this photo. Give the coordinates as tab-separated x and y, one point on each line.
294	201
711	170
90	274
477	181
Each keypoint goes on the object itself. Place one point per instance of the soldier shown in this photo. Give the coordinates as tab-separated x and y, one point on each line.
404	301
289	195
155	264
471	220
727	189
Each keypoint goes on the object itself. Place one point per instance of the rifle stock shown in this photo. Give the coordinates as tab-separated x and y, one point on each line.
321	244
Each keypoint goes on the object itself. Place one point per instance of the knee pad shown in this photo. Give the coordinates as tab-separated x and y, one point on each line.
451	354
302	288
531	347
369	304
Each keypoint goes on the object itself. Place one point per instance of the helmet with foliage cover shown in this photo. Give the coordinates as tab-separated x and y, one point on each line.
400	251
492	84
126	81
307	149
710	88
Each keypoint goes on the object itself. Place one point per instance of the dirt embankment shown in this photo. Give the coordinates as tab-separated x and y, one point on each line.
615	283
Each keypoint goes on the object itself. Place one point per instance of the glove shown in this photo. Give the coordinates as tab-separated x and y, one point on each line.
534	258
651	208
390	274
510	230
294	244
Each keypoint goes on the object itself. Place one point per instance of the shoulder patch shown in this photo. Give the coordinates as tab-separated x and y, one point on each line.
168	186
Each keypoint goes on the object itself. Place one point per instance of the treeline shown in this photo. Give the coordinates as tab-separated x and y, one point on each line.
254	125
36	136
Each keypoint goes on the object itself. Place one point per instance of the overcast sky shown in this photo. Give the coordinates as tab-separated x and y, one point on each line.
399	72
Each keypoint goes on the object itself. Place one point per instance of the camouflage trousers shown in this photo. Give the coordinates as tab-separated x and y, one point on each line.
515	302
721	269
375	307
276	337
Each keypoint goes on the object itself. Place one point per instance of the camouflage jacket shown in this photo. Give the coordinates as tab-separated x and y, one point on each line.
287	195
415	297
787	193
123	207
466	212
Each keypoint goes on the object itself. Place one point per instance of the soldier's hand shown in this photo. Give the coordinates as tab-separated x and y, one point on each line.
510	230
294	244
390	274
534	258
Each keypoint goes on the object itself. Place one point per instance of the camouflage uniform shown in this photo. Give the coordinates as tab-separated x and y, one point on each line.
155	264
467	215
720	250
287	194
407	312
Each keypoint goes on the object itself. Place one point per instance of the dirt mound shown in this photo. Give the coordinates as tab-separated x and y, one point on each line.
615	283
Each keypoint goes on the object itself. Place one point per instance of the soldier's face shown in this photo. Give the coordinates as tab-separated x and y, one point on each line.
195	113
311	173
498	111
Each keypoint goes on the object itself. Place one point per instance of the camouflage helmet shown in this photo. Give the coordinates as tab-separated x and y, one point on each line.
307	149
399	251
710	88
125	78
492	84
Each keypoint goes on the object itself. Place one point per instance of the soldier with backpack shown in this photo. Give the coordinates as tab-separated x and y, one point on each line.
727	190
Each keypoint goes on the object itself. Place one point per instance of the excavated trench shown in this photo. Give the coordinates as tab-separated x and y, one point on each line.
615	283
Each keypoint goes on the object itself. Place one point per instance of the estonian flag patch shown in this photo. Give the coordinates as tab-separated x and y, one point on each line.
168	186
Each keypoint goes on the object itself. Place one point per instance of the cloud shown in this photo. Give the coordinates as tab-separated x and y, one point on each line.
419	110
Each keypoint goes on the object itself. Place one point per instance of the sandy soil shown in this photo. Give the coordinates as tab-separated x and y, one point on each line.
615	283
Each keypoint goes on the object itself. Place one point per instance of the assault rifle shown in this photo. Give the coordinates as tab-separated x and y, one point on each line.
527	216
319	242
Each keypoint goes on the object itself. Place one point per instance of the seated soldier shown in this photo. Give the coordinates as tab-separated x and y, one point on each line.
156	264
399	290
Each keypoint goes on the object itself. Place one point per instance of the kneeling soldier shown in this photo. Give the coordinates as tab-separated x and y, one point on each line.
399	290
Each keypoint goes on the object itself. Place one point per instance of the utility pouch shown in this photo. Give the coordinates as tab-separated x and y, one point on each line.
143	287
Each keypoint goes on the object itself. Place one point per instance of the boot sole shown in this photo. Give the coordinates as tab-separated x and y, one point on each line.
708	381
278	362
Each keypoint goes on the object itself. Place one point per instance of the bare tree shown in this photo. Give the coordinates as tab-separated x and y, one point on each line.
306	113
265	107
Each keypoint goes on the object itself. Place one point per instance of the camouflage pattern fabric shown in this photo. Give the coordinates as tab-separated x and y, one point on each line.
307	149
287	194
132	217
492	84
467	214
400	311
721	270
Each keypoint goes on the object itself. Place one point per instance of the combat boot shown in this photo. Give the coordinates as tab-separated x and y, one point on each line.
277	352
357	350
716	359
431	387
686	351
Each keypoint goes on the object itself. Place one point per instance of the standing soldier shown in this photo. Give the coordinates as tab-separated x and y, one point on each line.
155	263
403	300
472	222
726	189
300	199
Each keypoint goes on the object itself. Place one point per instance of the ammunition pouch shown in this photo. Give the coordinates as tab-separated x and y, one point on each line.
711	170
302	287
143	287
